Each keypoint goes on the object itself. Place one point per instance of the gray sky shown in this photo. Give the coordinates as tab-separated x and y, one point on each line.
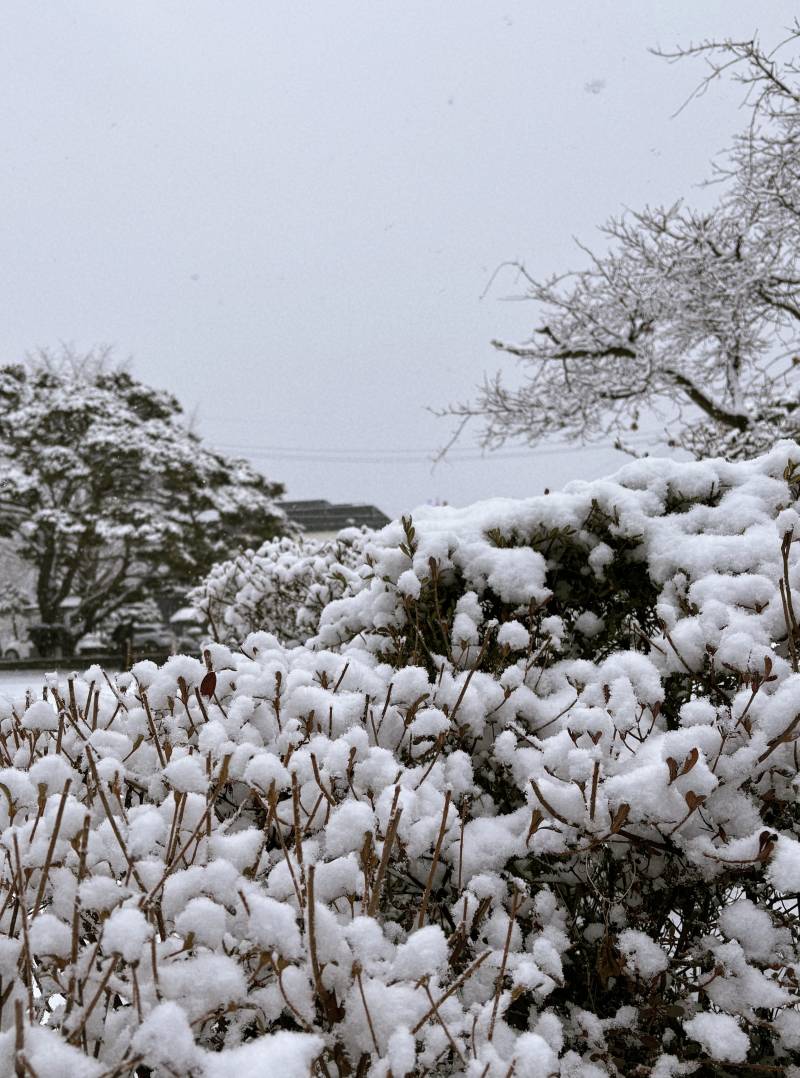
286	213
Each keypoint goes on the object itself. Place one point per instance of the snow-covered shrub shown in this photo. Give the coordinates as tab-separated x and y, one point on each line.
527	805
282	587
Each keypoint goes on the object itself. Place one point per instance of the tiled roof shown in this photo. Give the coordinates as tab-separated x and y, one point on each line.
319	515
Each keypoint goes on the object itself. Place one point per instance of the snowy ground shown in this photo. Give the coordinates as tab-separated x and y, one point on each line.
14	683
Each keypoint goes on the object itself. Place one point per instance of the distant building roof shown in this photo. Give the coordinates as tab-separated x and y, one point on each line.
319	515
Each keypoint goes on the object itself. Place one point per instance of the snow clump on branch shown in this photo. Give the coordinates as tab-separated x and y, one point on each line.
455	833
282	587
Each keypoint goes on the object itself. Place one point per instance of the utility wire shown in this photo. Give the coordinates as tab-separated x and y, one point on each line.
332	455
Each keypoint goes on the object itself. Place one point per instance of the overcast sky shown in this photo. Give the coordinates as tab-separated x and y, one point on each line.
287	213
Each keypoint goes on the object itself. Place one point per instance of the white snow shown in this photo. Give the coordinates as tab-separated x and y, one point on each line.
454	801
720	1036
125	933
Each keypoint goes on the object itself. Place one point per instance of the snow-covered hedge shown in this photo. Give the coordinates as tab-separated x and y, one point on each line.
282	587
526	806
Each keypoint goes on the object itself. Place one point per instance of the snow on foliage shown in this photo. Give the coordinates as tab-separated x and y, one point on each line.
282	587
454	833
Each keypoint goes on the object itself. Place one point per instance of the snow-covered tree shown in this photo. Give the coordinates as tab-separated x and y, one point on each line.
109	496
693	316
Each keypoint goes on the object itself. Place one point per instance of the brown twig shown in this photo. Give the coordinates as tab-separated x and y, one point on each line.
388	842
434	862
454	987
515	904
51	847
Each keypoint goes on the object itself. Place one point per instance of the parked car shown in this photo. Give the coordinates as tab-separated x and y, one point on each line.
17	648
146	637
91	644
152	637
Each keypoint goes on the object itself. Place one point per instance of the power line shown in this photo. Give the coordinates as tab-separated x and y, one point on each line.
337	455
